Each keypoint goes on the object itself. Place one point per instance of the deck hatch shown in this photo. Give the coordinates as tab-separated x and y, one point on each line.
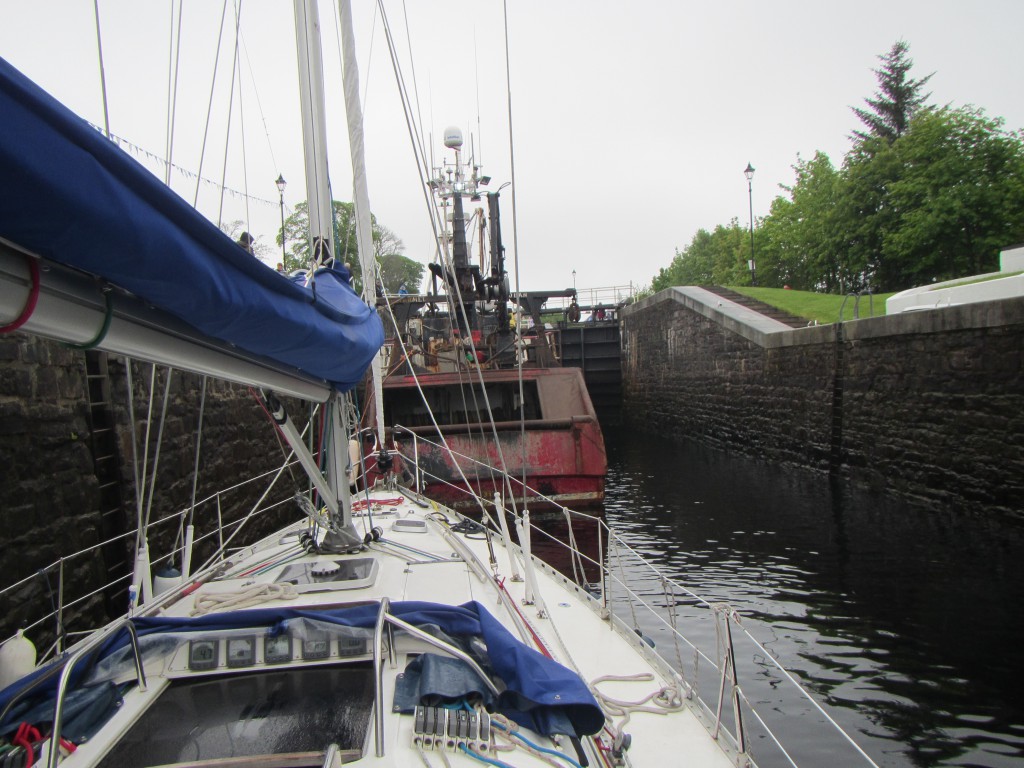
353	573
242	715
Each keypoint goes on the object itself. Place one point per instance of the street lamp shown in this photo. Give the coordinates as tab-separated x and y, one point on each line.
574	281
749	173
281	184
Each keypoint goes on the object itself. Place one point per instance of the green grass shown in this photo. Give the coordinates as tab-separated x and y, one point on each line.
823	307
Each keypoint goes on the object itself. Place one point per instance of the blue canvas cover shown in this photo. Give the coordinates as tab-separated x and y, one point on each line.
539	692
72	196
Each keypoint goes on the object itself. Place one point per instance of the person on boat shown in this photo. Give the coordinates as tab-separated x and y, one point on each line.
246	242
600	312
402	290
573	315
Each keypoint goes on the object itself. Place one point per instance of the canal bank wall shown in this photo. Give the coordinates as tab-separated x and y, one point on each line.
926	405
67	480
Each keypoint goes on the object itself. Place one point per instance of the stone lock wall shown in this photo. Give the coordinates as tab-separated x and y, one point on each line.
51	495
48	494
926	405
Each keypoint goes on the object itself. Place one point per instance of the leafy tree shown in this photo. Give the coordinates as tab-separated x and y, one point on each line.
897	100
929	194
959	197
694	265
396	269
386	244
798	243
718	257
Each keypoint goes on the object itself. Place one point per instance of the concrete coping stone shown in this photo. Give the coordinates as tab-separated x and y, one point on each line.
768	333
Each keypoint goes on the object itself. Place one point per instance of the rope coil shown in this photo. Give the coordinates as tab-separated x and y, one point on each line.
243	598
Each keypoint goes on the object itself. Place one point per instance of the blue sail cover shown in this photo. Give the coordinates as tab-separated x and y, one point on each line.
72	196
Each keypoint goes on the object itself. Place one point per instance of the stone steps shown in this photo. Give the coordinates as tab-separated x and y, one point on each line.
758	306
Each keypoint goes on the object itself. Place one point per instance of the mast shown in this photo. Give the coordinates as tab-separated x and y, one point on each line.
498	280
361	196
467	275
314	129
336	495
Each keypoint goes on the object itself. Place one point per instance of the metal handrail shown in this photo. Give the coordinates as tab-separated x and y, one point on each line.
384	616
378	677
65	676
856	304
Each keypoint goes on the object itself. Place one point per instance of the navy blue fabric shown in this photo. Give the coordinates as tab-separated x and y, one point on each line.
85	712
72	196
539	693
438	680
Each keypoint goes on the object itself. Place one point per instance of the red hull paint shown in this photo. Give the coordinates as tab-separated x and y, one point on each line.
564	454
565	465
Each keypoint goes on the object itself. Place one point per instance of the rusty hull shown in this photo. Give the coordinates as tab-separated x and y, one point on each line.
561	455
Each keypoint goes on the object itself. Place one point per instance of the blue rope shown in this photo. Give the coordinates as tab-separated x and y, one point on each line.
483	759
539	748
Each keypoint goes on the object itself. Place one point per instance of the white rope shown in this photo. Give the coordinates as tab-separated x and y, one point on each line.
665	700
243	598
421	753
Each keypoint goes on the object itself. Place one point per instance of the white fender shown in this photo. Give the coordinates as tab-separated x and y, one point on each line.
17	659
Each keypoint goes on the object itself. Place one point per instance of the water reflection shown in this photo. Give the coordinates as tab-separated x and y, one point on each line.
906	621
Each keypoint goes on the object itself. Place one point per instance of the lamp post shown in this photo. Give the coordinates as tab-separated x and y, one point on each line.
574	281
281	184
749	173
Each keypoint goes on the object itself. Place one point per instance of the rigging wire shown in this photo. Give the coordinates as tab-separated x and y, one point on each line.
135	444
140	481
103	74
412	65
195	466
159	440
445	258
209	107
231	109
259	108
241	121
174	56
515	237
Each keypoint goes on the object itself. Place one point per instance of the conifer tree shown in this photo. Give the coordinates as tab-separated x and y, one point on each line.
898	97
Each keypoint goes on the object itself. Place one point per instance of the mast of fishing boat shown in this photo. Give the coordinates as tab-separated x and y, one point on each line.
460	251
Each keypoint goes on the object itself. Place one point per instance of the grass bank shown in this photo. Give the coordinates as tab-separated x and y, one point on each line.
823	307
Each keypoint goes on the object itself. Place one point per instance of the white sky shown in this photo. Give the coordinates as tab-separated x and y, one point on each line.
632	122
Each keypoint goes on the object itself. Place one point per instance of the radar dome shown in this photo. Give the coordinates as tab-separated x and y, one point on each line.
452	137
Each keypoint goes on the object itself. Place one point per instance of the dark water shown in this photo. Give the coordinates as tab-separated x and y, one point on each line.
906	622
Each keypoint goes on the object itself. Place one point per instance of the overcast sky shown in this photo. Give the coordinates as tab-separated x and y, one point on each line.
631	122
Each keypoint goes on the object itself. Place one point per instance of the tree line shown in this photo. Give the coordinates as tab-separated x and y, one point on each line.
927	193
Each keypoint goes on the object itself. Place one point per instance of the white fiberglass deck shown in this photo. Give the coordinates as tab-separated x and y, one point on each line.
439	565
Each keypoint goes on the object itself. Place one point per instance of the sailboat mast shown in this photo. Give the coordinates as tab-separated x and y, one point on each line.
314	127
314	133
